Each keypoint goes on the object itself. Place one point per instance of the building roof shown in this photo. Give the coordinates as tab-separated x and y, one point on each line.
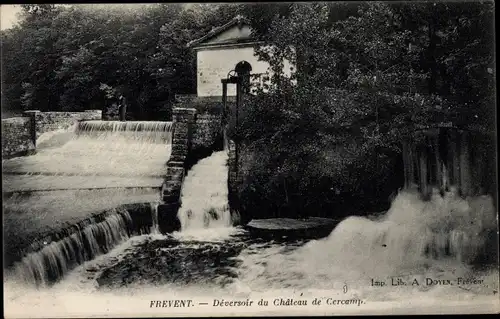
236	21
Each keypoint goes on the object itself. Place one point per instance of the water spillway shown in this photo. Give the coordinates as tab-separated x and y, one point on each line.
136	126
419	238
204	198
92	167
111	153
52	255
53	260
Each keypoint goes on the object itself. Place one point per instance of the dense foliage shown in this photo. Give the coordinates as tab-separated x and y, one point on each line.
78	57
325	141
366	74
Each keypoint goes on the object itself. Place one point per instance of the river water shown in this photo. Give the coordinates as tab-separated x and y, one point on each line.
414	259
91	166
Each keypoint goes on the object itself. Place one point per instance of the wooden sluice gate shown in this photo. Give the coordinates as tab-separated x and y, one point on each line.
446	157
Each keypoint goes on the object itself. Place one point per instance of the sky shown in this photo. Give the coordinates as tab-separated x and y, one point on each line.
8	15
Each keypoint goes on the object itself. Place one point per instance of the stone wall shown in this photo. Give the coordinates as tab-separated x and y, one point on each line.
207	129
207	133
17	137
183	120
215	64
19	134
195	136
51	121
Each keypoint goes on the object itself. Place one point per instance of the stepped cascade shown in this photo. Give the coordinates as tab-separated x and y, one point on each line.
91	167
433	231
204	197
54	260
94	154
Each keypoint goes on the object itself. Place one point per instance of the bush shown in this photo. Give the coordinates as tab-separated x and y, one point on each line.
365	77
296	161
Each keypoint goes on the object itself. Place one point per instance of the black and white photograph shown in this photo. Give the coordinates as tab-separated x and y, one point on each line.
249	159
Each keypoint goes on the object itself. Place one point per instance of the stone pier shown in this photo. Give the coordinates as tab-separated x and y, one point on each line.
196	133
183	120
19	134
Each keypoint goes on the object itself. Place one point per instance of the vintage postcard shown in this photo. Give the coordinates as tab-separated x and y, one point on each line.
249	159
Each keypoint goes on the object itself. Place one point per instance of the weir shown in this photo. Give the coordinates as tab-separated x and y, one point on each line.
120	126
50	257
438	235
133	153
110	163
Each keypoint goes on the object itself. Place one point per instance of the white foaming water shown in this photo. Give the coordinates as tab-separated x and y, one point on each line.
56	258
125	160
100	148
414	240
56	138
204	213
406	243
78	295
89	168
154	218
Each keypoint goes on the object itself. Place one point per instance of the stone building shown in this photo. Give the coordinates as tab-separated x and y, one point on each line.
221	50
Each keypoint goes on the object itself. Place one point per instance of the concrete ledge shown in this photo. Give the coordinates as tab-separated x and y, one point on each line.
310	228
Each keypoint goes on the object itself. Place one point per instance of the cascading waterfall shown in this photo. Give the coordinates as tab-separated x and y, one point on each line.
100	148
90	167
55	259
204	196
415	239
157	131
440	225
56	138
420	236
415	233
154	218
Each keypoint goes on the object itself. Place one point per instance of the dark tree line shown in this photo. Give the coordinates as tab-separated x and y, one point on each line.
77	57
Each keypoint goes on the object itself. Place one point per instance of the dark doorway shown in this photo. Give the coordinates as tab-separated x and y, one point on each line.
243	70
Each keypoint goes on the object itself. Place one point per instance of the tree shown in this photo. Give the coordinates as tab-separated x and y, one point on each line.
365	78
60	56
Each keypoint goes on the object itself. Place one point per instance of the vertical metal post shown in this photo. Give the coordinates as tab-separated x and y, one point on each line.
224	98
239	97
224	114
